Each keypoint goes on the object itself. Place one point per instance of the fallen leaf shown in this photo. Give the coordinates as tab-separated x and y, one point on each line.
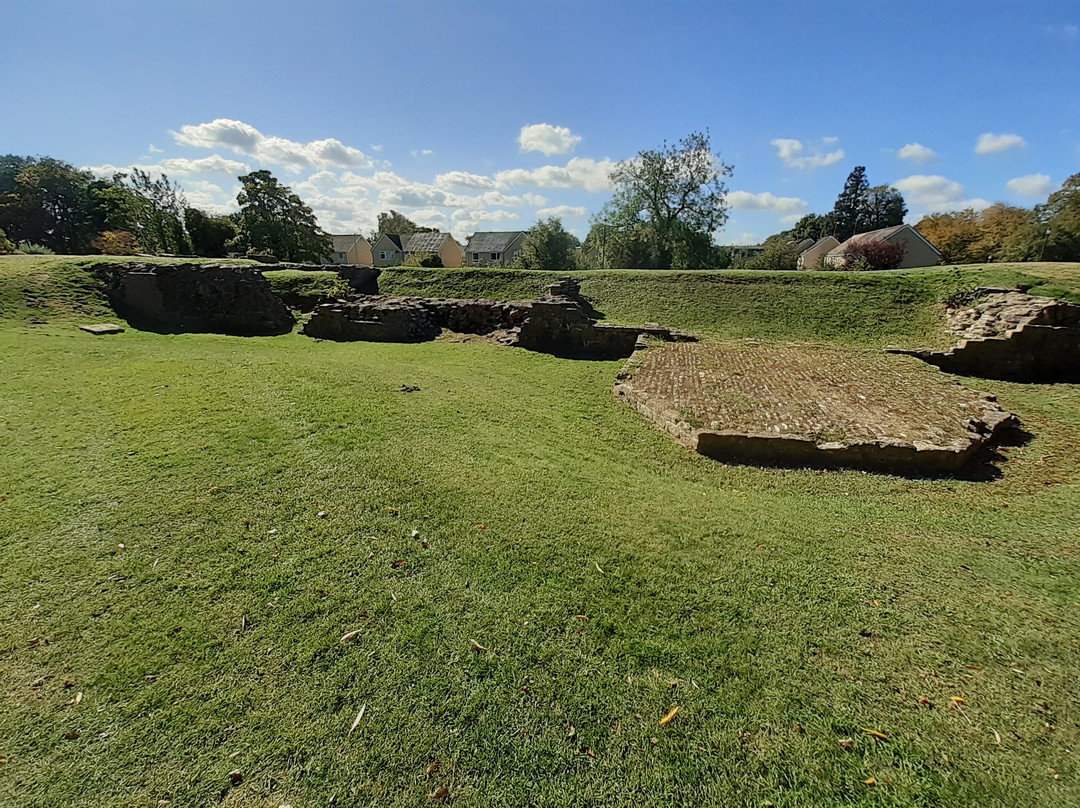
356	723
587	751
477	646
236	777
394	511
432	768
598	568
924	701
997	736
396	565
351	635
72	735
234	756
322	515
973	668
580	617
441	794
425	544
957	700
479	527
416	534
846	743
875	733
654	741
78	698
799	728
121	546
669	715
870	781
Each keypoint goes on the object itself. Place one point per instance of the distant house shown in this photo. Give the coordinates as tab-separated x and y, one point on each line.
811	257
351	250
918	252
495	249
392	249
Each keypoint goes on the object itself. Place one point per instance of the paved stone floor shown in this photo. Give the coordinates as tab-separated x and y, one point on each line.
823	395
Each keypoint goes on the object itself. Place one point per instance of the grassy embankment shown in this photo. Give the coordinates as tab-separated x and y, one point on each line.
163	555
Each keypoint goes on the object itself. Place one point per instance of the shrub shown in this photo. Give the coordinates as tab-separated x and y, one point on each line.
422	259
7	247
115	242
27	248
875	255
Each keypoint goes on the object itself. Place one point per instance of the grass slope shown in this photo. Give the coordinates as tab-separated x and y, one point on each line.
163	554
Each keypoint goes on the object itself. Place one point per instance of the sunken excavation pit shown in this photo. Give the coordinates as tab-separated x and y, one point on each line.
1006	334
788	405
557	323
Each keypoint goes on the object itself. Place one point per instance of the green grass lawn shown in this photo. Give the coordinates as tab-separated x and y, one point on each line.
162	554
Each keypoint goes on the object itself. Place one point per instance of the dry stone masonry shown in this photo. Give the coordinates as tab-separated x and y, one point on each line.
209	298
810	406
558	323
1014	336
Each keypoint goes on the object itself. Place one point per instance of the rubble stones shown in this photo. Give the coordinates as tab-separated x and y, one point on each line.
218	299
810	406
1014	336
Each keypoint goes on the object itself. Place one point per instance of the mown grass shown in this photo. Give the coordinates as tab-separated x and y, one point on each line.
609	574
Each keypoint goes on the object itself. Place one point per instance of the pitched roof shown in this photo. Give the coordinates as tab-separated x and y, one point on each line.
424	242
493	242
820	242
346	243
873	235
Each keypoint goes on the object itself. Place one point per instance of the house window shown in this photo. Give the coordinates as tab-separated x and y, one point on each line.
495	256
341	257
516	254
476	256
386	256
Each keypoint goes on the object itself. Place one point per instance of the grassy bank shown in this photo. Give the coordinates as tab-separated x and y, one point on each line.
189	524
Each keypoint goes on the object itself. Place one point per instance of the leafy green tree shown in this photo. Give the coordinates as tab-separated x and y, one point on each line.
548	246
160	214
781	252
954	233
422	259
46	201
209	234
7	246
668	202
882	206
813	226
274	220
397	224
849	205
1059	218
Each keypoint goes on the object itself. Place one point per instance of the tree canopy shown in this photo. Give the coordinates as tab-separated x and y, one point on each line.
667	204
397	224
274	220
548	246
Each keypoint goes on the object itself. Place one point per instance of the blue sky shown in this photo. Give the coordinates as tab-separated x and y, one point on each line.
483	115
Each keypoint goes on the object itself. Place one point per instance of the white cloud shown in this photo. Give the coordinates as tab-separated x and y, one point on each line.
421	152
292	155
791	152
562	210
581	172
744	200
179	166
210	197
989	143
547	139
463	179
155	150
791	219
917	152
1037	185
936	194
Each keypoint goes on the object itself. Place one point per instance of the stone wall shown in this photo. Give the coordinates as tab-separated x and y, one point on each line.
217	299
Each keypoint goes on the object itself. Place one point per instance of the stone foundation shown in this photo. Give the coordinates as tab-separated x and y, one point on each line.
557	323
218	299
810	406
1013	336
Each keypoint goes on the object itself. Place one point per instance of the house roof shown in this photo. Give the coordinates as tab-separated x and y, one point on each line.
345	243
820	242
873	235
424	242
493	242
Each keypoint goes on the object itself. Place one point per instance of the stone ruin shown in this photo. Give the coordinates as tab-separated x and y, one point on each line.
1009	335
558	322
208	298
815	406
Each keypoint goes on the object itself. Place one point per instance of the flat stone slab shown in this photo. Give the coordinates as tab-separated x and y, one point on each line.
103	328
810	406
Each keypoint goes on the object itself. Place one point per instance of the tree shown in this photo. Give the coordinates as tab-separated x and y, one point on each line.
209	234
874	255
955	234
1060	216
813	226
882	206
398	224
7	246
1007	233
422	259
46	201
670	201
274	220
548	246
781	252
160	212
115	242
849	205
